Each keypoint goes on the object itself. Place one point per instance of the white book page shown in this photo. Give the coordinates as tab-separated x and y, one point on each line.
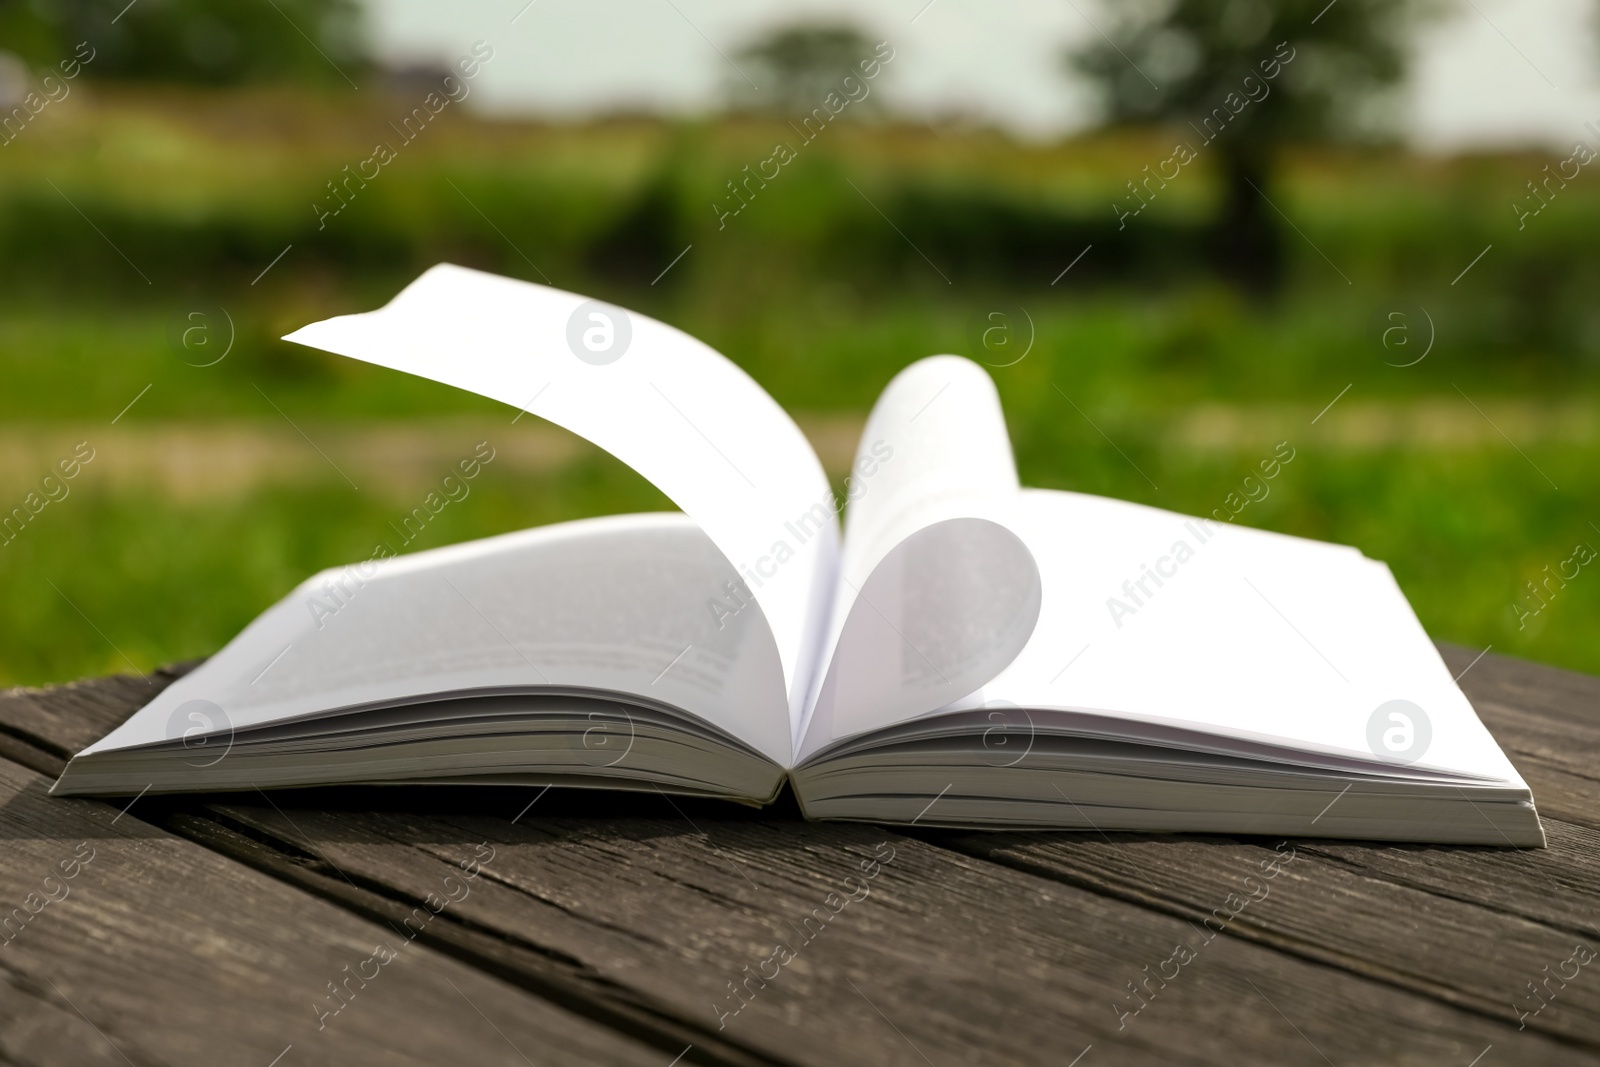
1242	633
936	594
614	605
951	456
673	409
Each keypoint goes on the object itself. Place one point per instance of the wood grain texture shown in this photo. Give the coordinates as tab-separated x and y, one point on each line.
1459	926
1468	926
636	912
972	963
124	944
1547	721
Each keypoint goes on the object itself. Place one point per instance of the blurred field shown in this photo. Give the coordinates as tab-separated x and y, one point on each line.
1469	472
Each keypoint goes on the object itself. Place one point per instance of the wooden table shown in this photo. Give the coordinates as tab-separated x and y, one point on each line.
452	925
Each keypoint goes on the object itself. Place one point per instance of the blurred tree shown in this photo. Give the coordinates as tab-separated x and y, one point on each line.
795	67
211	42
1177	61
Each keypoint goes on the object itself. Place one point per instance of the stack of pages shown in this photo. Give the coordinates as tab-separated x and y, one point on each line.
965	652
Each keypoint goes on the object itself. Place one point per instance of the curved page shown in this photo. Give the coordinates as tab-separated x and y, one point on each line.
936	594
699	428
600	606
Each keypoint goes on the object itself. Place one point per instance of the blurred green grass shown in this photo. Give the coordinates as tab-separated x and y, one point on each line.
1188	383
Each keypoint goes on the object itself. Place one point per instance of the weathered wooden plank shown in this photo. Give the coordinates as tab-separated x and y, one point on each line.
37	1029
122	944
563	979
42	728
1555	887
972	962
1471	927
969	961
67	718
1548	722
1415	918
586	889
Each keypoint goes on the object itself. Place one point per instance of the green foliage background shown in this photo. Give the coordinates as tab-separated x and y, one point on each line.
120	208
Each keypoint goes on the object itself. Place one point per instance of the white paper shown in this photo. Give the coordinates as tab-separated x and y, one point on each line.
950	458
685	417
1248	634
612	605
936	592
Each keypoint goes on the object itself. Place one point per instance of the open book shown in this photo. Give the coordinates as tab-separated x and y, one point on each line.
966	652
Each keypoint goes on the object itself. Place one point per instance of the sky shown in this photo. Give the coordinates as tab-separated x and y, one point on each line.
1491	73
